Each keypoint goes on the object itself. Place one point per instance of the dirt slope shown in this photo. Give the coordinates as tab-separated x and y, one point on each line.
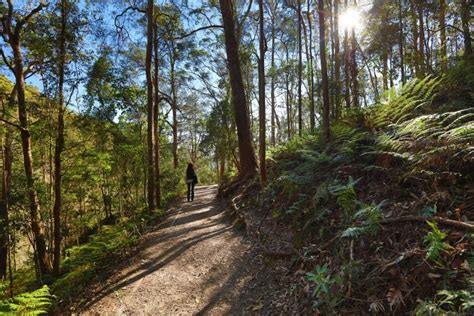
194	263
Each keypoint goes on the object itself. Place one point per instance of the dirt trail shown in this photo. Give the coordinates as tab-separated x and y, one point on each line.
194	263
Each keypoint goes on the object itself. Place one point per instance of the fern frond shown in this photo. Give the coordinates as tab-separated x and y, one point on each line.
355	232
32	303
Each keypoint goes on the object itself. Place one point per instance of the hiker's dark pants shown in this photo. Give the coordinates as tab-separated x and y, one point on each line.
190	192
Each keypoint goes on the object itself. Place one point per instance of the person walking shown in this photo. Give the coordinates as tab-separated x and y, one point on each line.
191	180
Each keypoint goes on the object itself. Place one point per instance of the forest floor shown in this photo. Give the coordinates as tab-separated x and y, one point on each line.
194	262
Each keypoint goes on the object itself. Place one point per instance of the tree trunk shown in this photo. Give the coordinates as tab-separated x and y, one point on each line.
324	70
384	51
156	111
443	58
261	96
7	156
272	84
466	19
347	65
221	167
330	38
4	223
248	162
59	142
414	26
390	72
287	97
174	107
421	42
337	60
300	72
401	41
355	81
312	114
150	113
37	225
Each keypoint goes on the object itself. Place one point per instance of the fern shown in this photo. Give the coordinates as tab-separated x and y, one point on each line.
412	98
314	156
32	303
299	206
446	301
346	196
429	211
355	232
435	243
429	144
322	195
371	215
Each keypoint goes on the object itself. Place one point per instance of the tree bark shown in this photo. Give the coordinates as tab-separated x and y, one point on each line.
309	67
355	81
221	167
272	84
337	61
37	225
384	50
300	71
401	41
13	34
59	142
421	42
330	39
261	95
312	108
414	27
347	65
248	164
442	36
174	107
324	70
465	20
440	220
150	110
7	156
287	96
156	111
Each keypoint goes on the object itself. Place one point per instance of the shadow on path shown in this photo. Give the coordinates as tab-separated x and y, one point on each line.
185	227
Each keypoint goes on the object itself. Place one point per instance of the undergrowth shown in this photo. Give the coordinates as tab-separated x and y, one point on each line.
411	154
82	264
29	303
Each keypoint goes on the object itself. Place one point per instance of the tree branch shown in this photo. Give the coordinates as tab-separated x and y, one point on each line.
25	19
457	29
240	24
13	124
439	220
197	30
165	97
5	60
9	17
119	27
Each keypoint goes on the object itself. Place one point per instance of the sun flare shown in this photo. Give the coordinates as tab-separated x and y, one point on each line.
351	19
